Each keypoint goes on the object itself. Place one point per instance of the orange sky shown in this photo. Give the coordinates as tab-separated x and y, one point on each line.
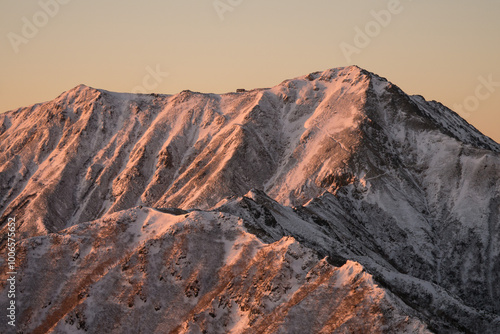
446	51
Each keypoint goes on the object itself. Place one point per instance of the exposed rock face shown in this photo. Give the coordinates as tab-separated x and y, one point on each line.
347	164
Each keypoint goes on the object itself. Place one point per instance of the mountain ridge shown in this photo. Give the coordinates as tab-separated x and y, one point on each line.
343	161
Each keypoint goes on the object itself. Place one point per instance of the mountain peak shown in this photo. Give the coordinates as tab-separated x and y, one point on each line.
352	71
81	88
78	93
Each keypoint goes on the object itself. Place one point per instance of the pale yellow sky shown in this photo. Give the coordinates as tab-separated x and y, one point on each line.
445	50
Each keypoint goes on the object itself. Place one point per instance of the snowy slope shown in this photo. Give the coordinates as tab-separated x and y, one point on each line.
343	160
401	259
142	271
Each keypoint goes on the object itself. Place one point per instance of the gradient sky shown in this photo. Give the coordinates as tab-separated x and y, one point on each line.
444	50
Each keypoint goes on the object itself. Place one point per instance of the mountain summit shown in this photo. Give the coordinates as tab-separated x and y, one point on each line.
386	188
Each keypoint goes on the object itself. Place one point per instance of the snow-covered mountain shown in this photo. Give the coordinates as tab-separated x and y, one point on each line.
399	197
143	271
